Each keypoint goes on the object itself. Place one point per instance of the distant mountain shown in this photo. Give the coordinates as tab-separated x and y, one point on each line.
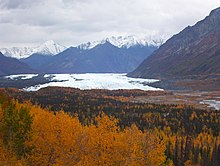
194	51
47	48
37	61
10	66
102	56
124	42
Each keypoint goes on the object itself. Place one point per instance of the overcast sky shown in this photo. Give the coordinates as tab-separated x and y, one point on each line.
71	22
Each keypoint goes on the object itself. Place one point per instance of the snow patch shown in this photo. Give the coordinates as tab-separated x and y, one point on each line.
21	76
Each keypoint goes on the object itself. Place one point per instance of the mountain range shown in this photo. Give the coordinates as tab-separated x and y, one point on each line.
111	55
124	42
195	51
47	48
103	58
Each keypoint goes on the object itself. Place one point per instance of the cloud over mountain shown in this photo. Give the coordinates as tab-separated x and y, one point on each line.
71	22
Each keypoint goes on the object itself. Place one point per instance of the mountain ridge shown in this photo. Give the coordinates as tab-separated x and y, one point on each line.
193	51
123	42
47	48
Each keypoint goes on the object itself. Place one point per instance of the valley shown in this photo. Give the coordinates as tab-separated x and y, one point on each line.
201	94
108	115
185	119
132	103
197	99
121	100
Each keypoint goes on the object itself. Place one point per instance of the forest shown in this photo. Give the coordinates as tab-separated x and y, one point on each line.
65	126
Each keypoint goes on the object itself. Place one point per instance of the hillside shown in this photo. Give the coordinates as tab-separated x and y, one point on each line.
37	61
10	66
194	51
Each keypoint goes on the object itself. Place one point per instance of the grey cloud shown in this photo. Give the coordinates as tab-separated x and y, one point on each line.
75	21
15	4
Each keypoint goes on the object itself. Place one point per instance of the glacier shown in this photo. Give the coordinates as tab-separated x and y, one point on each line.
109	81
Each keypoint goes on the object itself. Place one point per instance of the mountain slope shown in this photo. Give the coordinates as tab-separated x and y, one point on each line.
194	51
103	58
47	48
37	61
10	66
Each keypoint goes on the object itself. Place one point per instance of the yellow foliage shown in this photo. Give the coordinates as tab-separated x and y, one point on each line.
59	139
8	158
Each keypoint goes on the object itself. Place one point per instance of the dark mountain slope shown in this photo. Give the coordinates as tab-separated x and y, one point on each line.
194	51
38	61
10	66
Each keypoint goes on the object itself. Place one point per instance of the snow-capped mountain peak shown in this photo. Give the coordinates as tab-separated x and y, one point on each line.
16	52
47	48
123	42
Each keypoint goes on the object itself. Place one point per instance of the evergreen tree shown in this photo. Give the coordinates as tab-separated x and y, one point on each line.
16	129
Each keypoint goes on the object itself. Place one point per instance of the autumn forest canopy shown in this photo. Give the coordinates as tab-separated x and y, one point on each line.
64	126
